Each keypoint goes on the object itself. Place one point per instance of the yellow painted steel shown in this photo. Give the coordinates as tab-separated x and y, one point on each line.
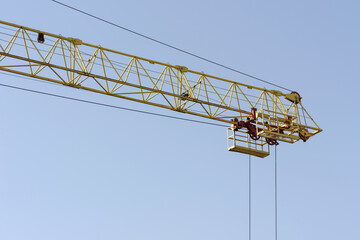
74	63
239	141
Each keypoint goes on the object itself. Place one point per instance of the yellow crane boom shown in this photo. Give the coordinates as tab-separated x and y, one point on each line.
258	117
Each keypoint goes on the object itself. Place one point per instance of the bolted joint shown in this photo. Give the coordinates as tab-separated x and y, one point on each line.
75	41
181	68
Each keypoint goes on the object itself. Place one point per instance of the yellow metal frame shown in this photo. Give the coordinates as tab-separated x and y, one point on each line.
74	63
239	141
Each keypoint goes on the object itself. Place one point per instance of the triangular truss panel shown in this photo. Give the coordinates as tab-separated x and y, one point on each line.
267	114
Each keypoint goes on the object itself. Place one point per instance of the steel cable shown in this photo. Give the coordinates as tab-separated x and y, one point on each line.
170	46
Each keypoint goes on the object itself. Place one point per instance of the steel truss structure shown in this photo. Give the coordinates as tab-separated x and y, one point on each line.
268	116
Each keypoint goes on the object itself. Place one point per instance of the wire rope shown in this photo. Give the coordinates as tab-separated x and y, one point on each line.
249	197
59	85
108	105
170	46
276	196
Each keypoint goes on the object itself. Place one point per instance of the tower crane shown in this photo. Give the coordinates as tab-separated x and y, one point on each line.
257	117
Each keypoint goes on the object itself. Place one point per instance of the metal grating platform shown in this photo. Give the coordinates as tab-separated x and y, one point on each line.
245	150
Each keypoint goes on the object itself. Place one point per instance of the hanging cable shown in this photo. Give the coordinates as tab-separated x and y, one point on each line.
111	106
249	197
276	227
170	46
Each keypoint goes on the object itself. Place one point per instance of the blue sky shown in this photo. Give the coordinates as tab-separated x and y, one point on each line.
70	170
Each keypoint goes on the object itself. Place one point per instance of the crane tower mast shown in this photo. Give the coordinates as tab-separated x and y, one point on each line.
257	117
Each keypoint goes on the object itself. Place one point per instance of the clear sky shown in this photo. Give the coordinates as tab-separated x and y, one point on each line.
71	170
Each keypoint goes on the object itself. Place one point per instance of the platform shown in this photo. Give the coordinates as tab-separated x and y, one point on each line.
239	141
246	150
